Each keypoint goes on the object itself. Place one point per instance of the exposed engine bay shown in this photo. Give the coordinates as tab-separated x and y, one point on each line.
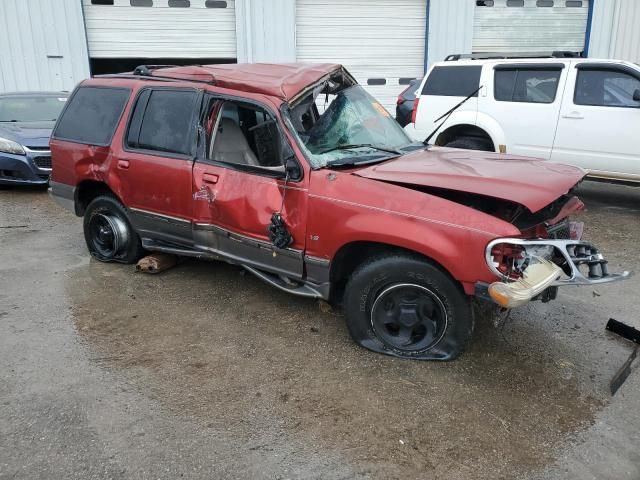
550	252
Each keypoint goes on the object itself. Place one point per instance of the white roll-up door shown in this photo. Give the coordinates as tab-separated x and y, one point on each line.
506	26
188	29
376	40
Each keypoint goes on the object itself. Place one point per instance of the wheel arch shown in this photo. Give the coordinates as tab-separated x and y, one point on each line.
464	130
87	190
352	254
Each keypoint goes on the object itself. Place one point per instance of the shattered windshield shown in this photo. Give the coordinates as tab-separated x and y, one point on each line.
352	128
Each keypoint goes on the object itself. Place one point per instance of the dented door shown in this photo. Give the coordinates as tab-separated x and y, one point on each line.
233	206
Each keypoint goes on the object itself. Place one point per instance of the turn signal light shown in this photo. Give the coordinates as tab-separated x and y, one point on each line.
536	278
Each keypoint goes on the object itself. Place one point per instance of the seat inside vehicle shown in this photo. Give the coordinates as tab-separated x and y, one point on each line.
245	135
231	146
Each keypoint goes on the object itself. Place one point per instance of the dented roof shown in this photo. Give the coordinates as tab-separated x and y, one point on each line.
282	80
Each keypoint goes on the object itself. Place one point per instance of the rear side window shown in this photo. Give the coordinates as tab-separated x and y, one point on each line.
163	120
91	115
454	81
606	88
528	86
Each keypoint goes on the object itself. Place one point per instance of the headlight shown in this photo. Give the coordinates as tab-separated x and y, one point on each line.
9	146
536	277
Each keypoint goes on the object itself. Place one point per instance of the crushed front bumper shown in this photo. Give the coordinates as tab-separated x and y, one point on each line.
576	262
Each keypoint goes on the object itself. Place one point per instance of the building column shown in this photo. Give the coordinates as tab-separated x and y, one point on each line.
265	31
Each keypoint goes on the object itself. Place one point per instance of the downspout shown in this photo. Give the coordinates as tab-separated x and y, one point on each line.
587	35
426	37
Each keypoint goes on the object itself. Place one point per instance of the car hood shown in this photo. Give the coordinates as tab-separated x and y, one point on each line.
30	134
529	182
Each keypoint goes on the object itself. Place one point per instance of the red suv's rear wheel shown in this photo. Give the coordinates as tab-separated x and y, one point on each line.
108	232
405	306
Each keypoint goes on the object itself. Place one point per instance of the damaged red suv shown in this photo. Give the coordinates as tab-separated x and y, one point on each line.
298	175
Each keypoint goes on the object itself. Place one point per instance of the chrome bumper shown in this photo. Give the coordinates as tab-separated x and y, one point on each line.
576	254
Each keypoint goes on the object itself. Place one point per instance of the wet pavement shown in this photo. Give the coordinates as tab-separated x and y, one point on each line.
205	372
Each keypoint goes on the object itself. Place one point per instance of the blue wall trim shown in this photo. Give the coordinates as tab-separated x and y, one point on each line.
426	37
587	35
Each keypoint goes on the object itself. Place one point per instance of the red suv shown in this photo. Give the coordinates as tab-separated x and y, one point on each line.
298	175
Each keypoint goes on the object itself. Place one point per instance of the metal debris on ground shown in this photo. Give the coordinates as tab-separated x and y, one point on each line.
156	263
630	333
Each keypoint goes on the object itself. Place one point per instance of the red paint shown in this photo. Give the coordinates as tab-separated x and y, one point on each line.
529	182
327	209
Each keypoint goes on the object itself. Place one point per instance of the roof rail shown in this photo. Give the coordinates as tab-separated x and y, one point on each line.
145	70
500	56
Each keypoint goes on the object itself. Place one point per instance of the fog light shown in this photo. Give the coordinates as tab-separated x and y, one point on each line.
538	276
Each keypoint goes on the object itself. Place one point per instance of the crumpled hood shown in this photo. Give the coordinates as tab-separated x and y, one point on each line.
529	182
30	134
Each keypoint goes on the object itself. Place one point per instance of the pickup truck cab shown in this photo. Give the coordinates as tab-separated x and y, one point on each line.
236	163
577	111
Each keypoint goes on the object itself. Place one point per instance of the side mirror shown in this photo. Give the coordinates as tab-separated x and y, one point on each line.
636	95
291	168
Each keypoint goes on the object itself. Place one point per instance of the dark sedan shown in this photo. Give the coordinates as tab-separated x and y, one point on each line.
404	104
26	121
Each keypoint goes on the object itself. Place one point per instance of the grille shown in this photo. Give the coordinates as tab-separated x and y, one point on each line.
42	162
560	231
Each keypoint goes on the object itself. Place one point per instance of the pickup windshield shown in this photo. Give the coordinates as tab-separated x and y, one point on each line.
353	128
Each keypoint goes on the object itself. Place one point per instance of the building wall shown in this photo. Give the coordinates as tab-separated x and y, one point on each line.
266	31
42	45
450	28
614	30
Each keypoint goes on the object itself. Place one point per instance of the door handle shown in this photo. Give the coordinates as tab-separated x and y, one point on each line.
210	178
573	115
123	164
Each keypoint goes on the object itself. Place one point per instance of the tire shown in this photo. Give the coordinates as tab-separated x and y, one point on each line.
108	232
471	143
404	306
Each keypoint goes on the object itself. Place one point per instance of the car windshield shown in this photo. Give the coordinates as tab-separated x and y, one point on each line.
353	128
31	109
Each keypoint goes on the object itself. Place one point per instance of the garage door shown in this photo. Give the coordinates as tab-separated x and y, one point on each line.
160	28
529	25
380	42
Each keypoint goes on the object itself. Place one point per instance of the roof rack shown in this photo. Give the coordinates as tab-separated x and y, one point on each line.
145	70
501	56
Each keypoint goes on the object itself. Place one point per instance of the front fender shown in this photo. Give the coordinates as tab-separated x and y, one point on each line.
493	129
353	209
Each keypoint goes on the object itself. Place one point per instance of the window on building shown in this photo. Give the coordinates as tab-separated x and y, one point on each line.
92	115
163	121
573	3
454	81
544	3
526	85
376	81
515	3
101	2
607	88
141	3
179	3
484	3
215	4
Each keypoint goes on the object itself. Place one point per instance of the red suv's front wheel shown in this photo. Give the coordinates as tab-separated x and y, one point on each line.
405	306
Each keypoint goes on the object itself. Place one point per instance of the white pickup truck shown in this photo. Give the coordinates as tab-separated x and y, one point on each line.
579	111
